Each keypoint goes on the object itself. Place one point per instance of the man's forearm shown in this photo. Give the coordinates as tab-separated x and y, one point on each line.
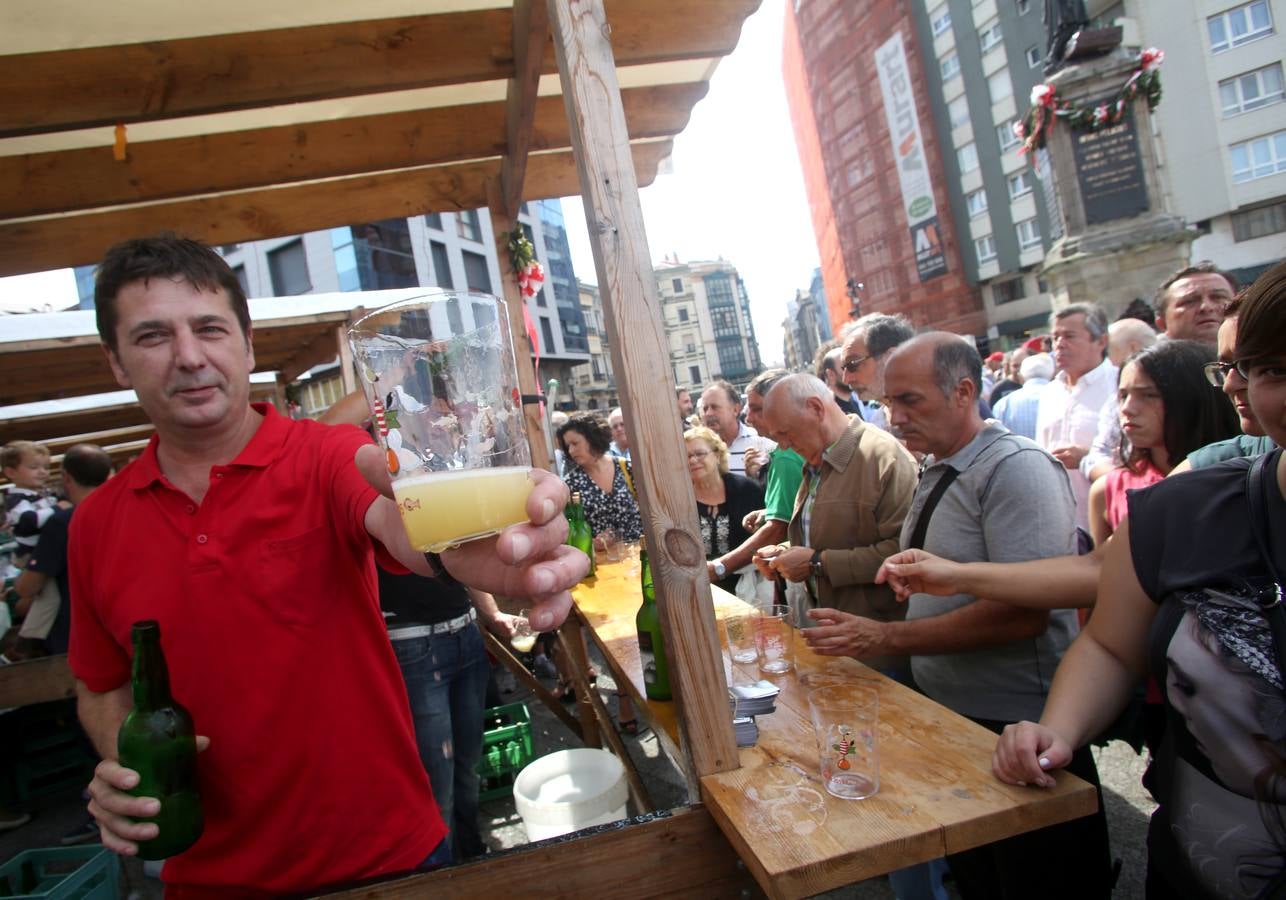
982	623
385	525
101	715
771	532
1056	583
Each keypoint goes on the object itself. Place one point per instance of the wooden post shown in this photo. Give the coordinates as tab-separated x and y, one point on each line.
639	353
347	374
501	222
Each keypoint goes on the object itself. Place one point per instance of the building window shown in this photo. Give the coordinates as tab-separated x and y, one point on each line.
977	203
989	37
723	320
958	111
289	269
1006	135
941	22
999	86
1023	6
476	276
1239	25
1259	158
1019	184
1034	57
434	221
967	156
678	285
732	358
690	346
1028	234
1007	291
694	374
985	247
1257	223
950	66
240	272
1252	90
683	314
383	254
547	336
467	225
441	265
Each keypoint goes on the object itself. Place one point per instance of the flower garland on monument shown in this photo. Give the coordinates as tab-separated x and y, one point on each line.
1047	107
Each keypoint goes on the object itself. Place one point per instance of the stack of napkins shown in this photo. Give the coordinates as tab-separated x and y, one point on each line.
748	701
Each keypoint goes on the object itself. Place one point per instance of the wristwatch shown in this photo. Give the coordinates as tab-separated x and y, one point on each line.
815	567
720	569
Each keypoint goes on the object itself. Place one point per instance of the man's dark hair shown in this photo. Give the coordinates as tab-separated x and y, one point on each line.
1261	324
1205	267
163	256
1139	309
87	465
882	332
592	427
823	360
733	397
953	362
765	381
1195	413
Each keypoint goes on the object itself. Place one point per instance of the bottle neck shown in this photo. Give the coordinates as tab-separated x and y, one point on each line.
645	578
151	677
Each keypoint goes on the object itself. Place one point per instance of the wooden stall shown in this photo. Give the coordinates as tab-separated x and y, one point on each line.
239	120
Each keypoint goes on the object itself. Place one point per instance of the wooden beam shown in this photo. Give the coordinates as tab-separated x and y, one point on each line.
321	349
73	422
36	681
97	86
98	438
347	374
501	652
635	330
681	853
533	421
87	178
35	245
530	34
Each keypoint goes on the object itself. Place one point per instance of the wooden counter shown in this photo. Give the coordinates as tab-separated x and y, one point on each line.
937	794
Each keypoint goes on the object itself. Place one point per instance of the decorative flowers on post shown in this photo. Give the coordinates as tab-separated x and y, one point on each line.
1047	106
522	256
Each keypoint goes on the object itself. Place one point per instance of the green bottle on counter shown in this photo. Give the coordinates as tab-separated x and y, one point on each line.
656	671
158	741
578	532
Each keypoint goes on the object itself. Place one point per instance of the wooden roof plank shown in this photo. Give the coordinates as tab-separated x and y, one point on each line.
87	178
37	244
530	35
101	86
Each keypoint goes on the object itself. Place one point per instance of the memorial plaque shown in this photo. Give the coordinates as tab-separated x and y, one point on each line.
1109	171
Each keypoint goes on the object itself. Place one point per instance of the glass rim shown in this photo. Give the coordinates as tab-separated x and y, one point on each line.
427	296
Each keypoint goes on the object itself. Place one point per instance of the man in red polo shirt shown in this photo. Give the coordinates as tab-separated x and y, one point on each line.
252	539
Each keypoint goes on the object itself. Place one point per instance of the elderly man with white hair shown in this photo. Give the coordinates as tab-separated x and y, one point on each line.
1018	410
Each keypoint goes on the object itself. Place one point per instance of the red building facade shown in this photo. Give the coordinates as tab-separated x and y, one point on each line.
875	181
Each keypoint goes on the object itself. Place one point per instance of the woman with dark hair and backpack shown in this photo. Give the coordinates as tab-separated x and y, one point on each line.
1191	592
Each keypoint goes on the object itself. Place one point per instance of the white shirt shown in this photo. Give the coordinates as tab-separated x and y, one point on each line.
746	438
1069	416
1107	441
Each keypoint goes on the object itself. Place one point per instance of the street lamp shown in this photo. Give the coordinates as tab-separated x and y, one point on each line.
854	288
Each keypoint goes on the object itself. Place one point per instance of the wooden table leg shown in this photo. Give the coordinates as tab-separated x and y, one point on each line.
571	643
513	664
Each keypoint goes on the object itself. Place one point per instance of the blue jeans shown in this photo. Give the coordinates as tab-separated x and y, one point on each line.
446	681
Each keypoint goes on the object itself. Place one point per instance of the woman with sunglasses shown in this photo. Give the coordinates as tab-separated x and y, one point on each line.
1191	592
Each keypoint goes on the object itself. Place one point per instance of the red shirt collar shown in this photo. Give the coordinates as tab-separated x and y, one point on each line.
265	446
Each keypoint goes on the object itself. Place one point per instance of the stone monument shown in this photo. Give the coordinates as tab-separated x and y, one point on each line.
1119	241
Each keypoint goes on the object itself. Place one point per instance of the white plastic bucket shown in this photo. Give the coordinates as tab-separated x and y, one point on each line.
570	790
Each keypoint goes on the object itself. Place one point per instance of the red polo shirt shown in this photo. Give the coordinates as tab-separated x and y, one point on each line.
271	626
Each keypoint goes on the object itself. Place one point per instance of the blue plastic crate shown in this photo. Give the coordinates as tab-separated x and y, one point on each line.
62	873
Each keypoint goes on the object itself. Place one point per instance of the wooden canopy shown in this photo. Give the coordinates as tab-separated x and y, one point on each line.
245	121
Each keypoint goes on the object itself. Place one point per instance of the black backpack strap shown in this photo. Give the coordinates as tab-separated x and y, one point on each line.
1271	602
922	523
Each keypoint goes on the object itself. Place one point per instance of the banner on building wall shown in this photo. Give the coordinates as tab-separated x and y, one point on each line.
908	151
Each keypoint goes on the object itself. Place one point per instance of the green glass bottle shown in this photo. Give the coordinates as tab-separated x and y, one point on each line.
656	671
579	534
158	741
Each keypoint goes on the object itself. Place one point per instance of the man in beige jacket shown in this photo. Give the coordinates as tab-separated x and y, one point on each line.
857	489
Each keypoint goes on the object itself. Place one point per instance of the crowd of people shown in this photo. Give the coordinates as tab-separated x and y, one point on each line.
943	516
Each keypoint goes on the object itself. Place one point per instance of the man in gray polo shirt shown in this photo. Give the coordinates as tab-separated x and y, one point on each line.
1004	500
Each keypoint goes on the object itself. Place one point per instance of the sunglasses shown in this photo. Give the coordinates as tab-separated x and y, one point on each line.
1217	372
852	365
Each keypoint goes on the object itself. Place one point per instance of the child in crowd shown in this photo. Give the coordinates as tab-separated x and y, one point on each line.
27	505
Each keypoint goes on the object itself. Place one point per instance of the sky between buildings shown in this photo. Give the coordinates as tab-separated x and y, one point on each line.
733	188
